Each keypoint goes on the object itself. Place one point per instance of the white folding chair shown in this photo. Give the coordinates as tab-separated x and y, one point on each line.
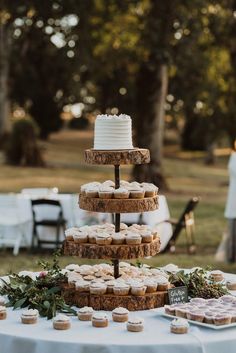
12	224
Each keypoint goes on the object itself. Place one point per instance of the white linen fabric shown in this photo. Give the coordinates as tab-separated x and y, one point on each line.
230	210
83	338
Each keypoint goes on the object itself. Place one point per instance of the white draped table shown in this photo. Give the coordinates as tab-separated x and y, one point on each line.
83	338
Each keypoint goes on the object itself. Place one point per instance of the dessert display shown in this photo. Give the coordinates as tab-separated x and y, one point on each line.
85	313
120	314
113	132
96	286
135	324
29	316
88	286
217	312
99	320
61	322
179	326
3	313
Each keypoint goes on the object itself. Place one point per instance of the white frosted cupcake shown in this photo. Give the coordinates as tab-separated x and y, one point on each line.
106	192
85	313
29	316
92	192
3	313
118	238
70	233
179	326
120	314
135	324
133	239
98	288
81	237
103	239
61	322
121	288
82	286
121	193
138	289
99	320
216	276
2	301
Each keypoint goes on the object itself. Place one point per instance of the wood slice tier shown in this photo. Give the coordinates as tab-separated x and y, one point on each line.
117	157
110	301
122	252
118	205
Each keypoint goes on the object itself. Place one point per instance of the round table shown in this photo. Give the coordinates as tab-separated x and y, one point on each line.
83	338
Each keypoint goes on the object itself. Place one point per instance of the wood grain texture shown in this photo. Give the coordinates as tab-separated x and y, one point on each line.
121	252
118	205
115	157
111	301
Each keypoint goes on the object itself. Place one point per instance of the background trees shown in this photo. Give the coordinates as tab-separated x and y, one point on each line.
171	61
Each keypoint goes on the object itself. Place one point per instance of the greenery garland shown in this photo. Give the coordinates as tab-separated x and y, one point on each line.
42	293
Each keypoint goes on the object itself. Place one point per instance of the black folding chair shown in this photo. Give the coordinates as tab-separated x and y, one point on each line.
186	221
57	223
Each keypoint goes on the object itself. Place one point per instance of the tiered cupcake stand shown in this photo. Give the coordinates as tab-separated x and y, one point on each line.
115	252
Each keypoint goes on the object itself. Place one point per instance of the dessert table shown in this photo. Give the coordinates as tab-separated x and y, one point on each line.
83	338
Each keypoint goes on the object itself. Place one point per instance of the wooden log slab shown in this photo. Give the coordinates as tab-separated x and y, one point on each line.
118	205
122	252
117	157
110	301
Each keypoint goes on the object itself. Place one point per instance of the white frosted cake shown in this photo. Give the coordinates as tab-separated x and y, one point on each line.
113	132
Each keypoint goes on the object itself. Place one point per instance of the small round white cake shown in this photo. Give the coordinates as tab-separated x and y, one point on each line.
113	132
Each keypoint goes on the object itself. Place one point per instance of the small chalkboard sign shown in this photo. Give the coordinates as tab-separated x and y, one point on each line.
178	295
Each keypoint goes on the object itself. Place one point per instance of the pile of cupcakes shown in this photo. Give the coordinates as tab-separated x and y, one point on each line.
105	234
220	311
99	280
106	190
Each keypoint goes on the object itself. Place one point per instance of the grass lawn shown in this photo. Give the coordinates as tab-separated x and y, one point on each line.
186	175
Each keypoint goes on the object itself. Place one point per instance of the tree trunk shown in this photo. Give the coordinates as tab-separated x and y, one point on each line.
151	94
4	70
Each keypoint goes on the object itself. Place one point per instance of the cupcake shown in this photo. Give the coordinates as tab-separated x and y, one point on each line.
179	326
151	285
147	236
133	239
99	320
61	322
3	312
82	286
121	193
70	233
196	315
118	238
85	313
181	312
92	237
135	324
98	288
150	190
136	193
138	289
29	316
231	284
216	276
170	309
227	299
162	284
121	288
209	317
222	319
198	301
123	226
106	192
120	314
92	192
103	239
81	237
110	286
109	183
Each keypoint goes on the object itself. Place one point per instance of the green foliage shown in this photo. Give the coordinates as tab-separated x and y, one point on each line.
198	284
42	293
22	148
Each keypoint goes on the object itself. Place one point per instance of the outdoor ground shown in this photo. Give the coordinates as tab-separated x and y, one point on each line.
186	174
